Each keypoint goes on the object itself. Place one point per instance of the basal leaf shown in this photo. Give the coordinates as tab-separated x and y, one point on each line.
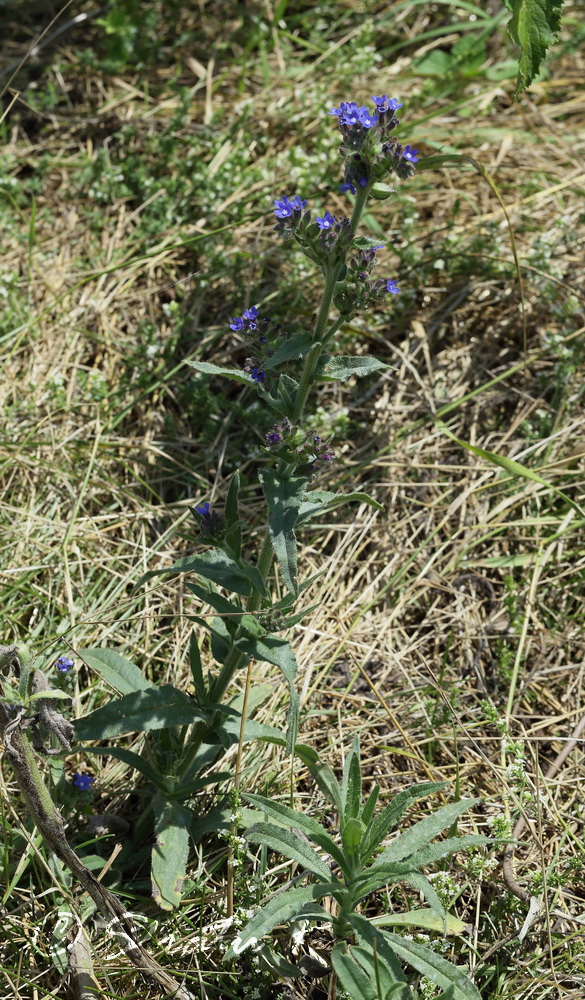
339	369
419	835
283	498
426	919
352	977
115	669
297	820
391	815
291	846
170	853
430	964
154	708
371	937
281	908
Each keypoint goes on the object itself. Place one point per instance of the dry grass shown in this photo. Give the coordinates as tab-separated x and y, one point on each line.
469	588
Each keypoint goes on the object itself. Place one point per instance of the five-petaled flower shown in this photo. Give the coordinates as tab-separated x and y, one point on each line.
284	208
258	375
247	321
387	103
64	664
203	511
392	287
83	781
327	221
410	154
350	115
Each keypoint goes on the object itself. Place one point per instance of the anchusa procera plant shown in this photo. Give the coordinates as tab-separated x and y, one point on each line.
229	573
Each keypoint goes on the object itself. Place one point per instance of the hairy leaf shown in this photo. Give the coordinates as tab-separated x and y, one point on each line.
321	774
278	652
291	846
430	964
352	977
115	669
427	919
339	369
283	498
297	820
534	26
235	374
393	813
170	853
281	908
133	760
216	566
155	708
419	835
293	348
316	502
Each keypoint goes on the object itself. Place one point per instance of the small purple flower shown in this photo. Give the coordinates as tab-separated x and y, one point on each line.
410	154
392	287
273	437
237	323
381	246
203	511
328	456
83	781
64	664
387	103
350	115
347	187
258	374
327	221
284	208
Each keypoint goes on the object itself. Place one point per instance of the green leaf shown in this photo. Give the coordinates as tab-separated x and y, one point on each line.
351	784
170	853
339	369
133	760
235	374
422	884
155	708
316	501
281	908
233	612
514	468
278	652
427	919
393	813
353	831
377	969
352	977
216	566
370	936
252	731
430	964
115	669
293	348
197	669
291	846
234	530
368	810
297	820
419	835
435	852
534	26
52	694
276	964
321	774
283	498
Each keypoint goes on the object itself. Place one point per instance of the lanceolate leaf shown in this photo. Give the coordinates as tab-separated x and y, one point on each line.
170	853
316	502
339	369
281	908
297	820
534	27
279	652
231	612
283	498
322	774
393	813
214	565
371	937
115	669
419	835
291	846
133	760
352	977
432	965
235	374
427	919
155	708
293	348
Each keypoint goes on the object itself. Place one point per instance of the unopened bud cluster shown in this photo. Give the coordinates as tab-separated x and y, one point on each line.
211	522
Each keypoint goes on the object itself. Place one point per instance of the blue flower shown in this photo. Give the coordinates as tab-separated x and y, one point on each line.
83	781
410	154
258	374
392	287
327	221
237	323
347	187
247	321
283	208
203	511
393	104
273	437
64	664
381	246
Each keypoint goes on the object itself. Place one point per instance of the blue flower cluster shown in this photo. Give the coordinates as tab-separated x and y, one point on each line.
247	321
284	208
369	151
